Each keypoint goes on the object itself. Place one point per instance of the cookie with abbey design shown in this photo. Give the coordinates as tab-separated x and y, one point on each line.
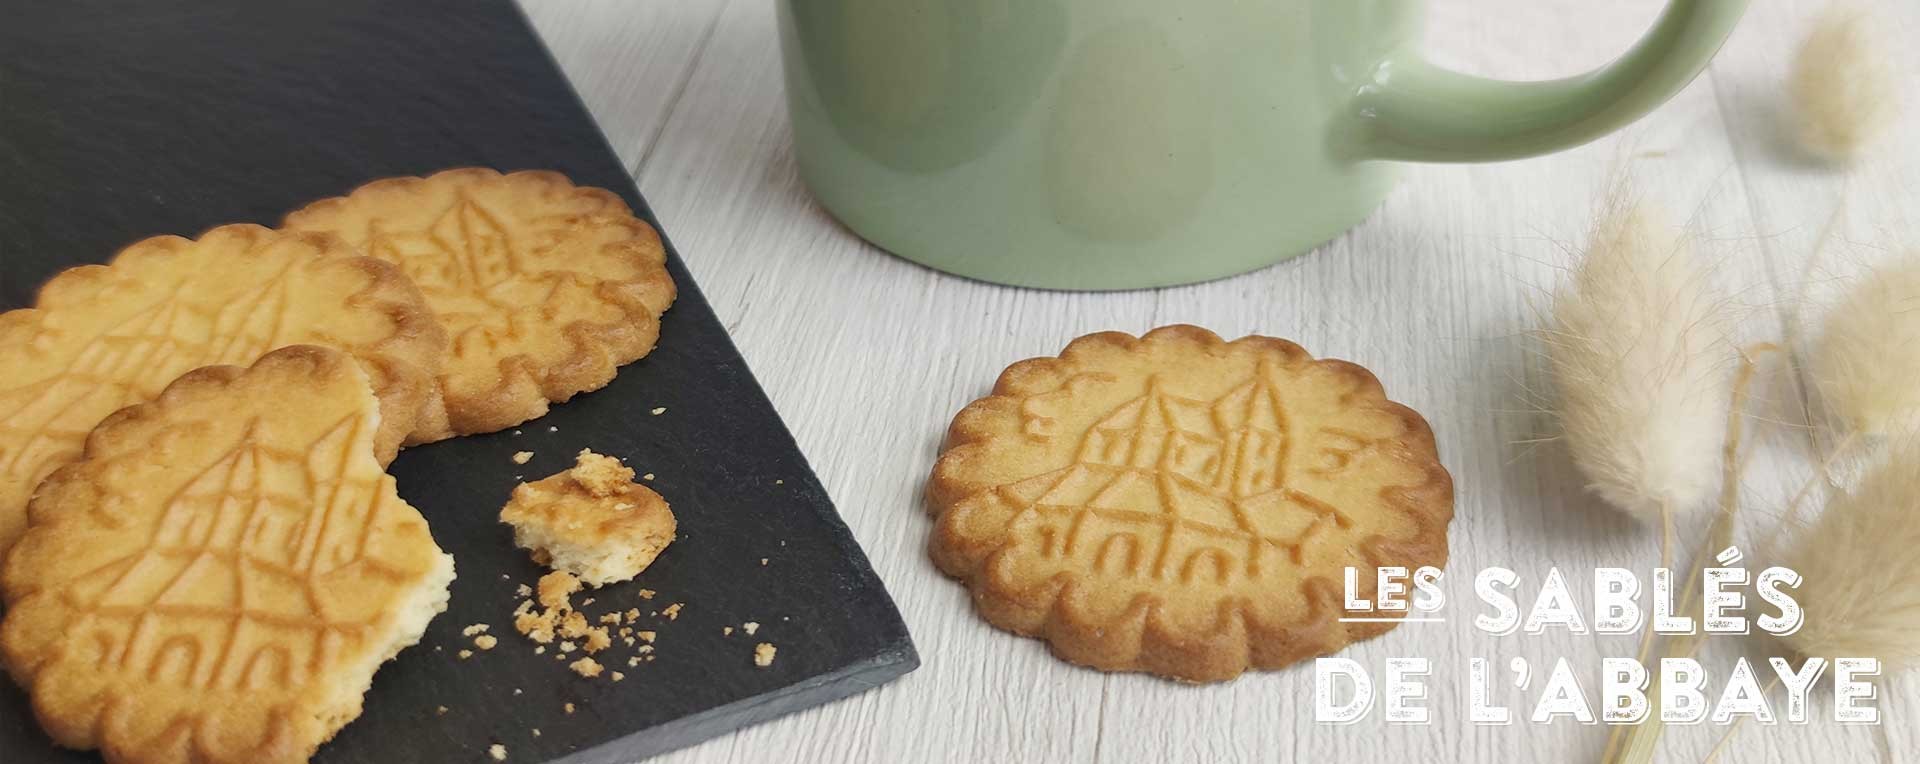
1182	505
546	287
102	337
218	577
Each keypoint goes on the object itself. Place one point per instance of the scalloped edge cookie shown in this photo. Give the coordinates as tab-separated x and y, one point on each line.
1138	640
75	503
403	365
523	387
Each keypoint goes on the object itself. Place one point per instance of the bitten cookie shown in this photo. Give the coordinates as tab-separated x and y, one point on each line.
220	574
101	337
546	287
1182	505
591	521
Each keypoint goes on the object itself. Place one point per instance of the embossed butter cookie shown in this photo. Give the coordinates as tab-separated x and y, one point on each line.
546	287
1182	505
218	577
106	336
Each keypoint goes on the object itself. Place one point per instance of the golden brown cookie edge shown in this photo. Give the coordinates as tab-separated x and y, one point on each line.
1137	641
525	390
67	489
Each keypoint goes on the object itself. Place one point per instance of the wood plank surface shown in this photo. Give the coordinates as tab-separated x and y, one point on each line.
867	357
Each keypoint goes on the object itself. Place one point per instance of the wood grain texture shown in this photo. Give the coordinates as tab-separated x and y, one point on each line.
867	357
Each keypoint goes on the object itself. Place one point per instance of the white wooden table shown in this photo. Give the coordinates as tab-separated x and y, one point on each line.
867	356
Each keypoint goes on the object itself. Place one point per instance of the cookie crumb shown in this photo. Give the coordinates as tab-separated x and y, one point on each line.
634	661
610	619
658	410
672	612
619	677
516	691
600	475
522	457
751	627
646	636
441	711
597	640
779	482
591	520
763	562
536	731
478	628
540	650
567	647
485	641
645	594
536	627
552	429
726	631
523	591
465	654
763	654
556	587
568	708
498	752
648	476
586	667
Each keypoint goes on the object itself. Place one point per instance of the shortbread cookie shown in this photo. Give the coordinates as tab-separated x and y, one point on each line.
106	336
591	521
546	287
218	577
1182	505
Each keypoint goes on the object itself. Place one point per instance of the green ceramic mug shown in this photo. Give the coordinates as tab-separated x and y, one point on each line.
1114	144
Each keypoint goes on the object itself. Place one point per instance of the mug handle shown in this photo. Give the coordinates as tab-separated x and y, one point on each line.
1410	109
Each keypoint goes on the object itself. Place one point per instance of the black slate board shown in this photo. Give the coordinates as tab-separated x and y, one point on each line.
120	120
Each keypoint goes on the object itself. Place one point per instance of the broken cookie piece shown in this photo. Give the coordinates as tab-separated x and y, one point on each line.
591	521
586	667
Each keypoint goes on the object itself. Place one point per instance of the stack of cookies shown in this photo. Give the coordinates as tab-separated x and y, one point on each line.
204	559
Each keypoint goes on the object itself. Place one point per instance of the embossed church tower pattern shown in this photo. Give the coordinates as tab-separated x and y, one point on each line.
1167	487
133	361
466	252
233	552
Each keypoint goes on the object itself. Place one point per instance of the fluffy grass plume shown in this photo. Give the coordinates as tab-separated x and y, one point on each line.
1859	561
1844	89
1867	363
1637	345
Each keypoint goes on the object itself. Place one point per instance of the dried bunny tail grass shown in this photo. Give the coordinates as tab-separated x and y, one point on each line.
1638	349
1639	742
1859	560
1866	365
1845	94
